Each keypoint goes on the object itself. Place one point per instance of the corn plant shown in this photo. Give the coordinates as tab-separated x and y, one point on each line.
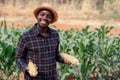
97	52
8	41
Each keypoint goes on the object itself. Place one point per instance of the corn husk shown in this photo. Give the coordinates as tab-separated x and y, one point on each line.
32	69
73	60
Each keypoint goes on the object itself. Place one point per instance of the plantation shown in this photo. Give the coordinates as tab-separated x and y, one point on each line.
98	53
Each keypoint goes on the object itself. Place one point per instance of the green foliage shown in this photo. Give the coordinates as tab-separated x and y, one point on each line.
97	52
8	41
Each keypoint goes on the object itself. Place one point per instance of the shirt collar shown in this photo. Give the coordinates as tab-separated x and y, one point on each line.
37	32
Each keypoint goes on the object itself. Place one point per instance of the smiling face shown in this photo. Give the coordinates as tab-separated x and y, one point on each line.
44	18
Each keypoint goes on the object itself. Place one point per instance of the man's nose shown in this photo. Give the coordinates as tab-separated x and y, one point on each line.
44	17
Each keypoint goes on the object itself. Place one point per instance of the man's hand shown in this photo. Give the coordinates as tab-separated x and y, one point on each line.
27	69
67	62
32	69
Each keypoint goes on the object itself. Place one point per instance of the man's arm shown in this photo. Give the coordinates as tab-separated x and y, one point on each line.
20	54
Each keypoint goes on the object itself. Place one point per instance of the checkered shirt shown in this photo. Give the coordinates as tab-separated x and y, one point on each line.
43	51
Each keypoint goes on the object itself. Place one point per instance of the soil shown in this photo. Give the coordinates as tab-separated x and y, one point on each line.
66	24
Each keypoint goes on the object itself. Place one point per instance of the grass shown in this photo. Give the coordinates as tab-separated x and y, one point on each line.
69	9
109	16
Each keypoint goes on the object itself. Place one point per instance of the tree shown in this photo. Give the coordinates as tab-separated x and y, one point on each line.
2	1
14	3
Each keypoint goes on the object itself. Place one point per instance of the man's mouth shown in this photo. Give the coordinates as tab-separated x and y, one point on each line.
43	22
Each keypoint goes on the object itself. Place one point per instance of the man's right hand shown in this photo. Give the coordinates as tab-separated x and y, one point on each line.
32	69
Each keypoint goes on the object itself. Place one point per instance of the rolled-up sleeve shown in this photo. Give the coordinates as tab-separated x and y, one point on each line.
20	54
59	58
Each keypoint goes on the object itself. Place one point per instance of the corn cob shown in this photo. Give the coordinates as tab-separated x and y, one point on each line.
32	69
73	60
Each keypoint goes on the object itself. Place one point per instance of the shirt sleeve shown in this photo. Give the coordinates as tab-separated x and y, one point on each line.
20	54
58	57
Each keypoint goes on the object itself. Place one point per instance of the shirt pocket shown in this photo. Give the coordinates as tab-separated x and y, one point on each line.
33	55
31	52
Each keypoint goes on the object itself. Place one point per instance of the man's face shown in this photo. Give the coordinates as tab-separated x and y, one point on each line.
44	18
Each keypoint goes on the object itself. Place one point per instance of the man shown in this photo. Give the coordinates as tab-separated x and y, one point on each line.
40	45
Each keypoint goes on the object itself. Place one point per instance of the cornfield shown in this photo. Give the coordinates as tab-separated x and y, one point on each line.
98	53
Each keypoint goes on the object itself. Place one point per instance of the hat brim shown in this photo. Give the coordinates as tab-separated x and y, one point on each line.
55	14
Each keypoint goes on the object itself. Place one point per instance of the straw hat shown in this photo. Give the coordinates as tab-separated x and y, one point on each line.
48	7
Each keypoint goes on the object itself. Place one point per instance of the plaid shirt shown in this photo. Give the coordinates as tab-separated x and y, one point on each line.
43	51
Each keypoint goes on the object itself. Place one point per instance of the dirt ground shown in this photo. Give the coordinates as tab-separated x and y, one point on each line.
66	24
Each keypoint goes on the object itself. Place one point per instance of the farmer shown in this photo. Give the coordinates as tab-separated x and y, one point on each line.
40	44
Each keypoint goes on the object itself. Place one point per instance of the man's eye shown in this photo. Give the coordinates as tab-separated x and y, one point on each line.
50	17
41	14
